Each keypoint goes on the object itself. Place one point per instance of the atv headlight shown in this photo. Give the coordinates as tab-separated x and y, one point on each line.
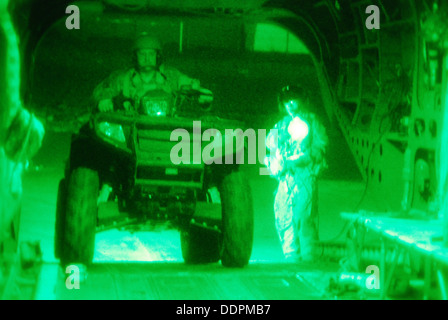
112	130
158	108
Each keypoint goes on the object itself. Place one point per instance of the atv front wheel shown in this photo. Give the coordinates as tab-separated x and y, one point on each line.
237	219
80	219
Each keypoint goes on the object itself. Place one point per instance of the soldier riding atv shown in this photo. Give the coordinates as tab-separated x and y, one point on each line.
125	156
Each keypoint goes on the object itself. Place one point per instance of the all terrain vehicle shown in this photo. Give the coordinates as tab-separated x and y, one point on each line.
129	154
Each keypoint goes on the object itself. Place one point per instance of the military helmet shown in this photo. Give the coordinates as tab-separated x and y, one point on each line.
145	41
292	92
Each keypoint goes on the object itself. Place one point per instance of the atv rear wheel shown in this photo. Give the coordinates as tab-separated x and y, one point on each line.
80	219
237	219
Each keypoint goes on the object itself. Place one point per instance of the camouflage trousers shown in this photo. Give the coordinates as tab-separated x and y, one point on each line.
295	210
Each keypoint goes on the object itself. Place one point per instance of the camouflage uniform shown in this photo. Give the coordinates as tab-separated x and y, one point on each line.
129	85
295	204
21	133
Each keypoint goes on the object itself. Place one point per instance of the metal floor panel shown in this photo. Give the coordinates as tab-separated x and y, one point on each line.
177	281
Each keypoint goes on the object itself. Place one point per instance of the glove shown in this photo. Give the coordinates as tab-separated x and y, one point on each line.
206	96
106	105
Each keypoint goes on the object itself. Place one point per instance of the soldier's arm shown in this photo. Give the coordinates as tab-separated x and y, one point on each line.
110	87
185	81
300	160
180	81
276	160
